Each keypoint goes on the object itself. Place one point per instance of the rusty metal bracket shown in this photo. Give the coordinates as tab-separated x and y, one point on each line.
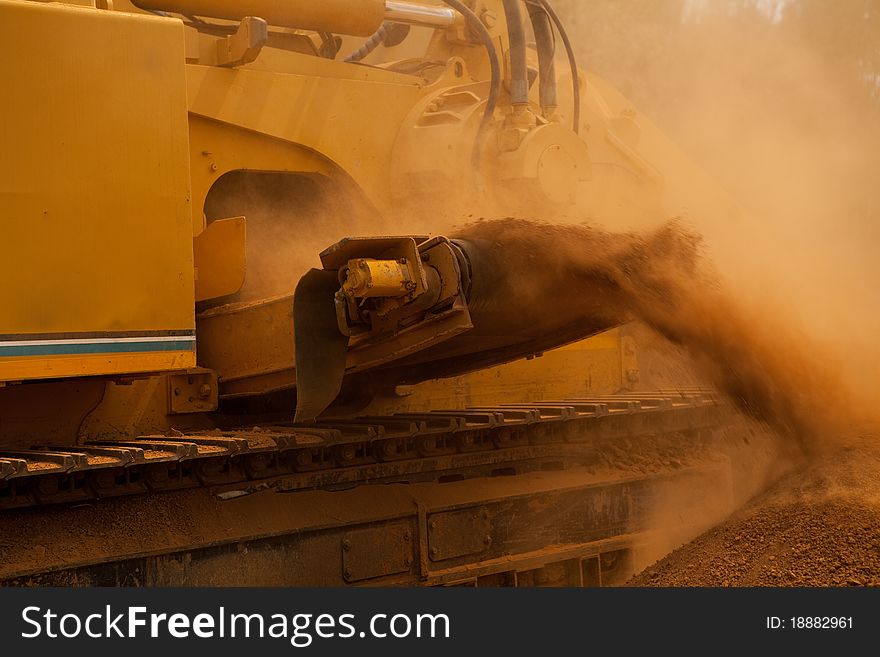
386	549
458	533
243	46
194	391
629	363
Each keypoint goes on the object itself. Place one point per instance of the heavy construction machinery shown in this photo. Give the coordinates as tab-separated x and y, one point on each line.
230	272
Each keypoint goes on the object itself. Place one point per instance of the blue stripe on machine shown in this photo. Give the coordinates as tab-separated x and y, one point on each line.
73	348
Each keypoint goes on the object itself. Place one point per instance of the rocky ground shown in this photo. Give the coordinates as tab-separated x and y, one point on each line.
818	526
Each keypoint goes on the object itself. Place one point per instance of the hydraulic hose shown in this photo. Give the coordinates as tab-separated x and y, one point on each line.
495	72
369	45
546	46
519	77
572	63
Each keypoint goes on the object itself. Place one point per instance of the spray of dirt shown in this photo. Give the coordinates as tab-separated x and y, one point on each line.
798	409
768	369
777	101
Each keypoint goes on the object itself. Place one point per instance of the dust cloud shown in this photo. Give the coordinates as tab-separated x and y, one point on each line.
778	102
662	279
795	402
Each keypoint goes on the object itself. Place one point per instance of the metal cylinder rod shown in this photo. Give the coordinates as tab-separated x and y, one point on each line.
422	15
359	18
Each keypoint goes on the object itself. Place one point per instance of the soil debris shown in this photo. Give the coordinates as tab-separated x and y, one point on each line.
818	526
770	369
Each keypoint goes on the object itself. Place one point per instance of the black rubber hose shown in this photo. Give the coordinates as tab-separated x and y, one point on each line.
516	34
546	46
370	44
572	63
495	77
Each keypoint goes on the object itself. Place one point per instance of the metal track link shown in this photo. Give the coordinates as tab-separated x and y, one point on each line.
352	451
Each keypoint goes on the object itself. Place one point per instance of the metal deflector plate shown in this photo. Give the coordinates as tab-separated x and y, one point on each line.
319	345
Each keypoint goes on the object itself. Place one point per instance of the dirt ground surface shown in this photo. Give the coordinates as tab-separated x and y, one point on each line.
817	526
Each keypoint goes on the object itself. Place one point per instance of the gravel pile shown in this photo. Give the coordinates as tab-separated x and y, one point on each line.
818	526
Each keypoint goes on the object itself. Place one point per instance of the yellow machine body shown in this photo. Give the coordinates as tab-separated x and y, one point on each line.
233	264
165	180
94	194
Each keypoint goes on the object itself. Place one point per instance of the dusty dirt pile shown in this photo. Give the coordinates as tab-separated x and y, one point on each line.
819	526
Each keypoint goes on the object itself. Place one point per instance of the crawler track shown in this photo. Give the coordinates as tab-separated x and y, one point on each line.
442	445
507	495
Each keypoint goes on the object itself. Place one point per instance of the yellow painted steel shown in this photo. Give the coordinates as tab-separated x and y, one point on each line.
596	366
344	16
368	277
314	110
219	253
240	342
59	366
104	179
217	148
94	190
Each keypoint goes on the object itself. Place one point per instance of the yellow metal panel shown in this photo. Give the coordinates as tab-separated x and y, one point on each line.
55	367
589	367
217	148
322	111
219	252
94	191
247	342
